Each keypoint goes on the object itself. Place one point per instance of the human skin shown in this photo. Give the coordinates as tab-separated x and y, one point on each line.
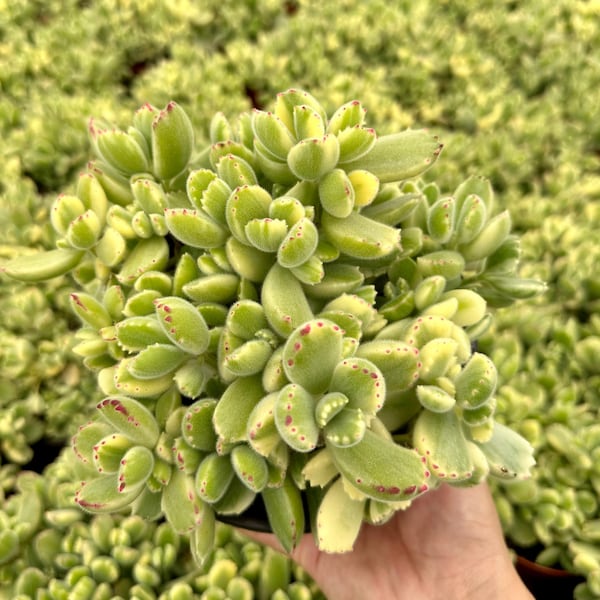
448	545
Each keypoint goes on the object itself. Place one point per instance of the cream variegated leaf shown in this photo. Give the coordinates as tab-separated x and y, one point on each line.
339	520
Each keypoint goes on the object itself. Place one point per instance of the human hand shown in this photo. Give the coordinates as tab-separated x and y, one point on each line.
447	545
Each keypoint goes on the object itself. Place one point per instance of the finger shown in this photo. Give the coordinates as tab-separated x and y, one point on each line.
266	539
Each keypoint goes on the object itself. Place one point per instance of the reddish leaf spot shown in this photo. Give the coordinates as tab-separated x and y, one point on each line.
77	301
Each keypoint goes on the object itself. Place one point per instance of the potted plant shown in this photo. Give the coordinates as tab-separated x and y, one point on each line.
287	315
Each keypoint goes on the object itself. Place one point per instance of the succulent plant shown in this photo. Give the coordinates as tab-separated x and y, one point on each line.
285	312
45	392
549	394
51	549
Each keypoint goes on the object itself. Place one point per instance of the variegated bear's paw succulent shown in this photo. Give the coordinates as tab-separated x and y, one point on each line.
283	313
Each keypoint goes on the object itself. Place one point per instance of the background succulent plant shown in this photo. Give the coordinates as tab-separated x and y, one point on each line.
44	389
51	549
283	311
550	394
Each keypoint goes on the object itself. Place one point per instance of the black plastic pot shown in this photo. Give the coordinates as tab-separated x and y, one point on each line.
255	517
547	582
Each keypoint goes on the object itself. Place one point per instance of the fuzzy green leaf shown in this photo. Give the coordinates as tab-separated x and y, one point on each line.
447	263
381	469
245	204
272	133
136	333
109	451
213	477
41	266
339	520
294	413
236	500
172	141
183	324
285	513
247	359
399	156
441	219
509	455
494	232
434	398
312	352
350	114
147	255
311	158
89	310
471	307
234	408
102	495
131	418
284	301
397	361
347	428
235	171
365	185
155	361
135	468
266	234
286	101
195	228
87	437
83	232
437	356
120	150
477	381
471	218
250	467
355	143
182	507
299	244
248	262
196	425
308	123
360	237
336	193
328	406
361	382
262	432
440	438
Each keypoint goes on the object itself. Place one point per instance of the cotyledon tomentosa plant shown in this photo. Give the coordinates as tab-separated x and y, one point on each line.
283	312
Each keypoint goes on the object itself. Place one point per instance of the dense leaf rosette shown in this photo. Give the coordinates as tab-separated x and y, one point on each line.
285	312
